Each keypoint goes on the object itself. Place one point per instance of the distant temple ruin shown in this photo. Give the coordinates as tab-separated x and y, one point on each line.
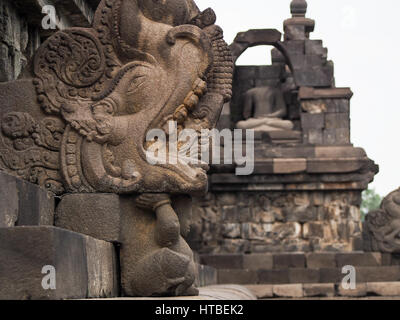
80	200
305	192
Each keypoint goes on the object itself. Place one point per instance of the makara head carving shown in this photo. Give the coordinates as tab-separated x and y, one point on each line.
102	89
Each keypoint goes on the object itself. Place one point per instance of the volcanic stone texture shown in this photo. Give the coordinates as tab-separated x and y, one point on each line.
84	267
23	203
260	222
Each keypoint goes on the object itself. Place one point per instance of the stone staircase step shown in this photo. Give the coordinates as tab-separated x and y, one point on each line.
23	203
280	261
206	276
306	275
329	290
84	267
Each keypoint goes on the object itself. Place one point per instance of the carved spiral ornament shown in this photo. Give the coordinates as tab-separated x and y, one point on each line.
74	56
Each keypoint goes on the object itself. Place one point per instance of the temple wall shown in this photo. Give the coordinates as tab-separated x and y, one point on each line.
260	222
19	40
21	31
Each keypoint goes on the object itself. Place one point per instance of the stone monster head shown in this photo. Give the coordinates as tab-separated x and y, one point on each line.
384	224
141	65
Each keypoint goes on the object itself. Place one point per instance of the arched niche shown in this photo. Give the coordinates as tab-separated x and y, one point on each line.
247	76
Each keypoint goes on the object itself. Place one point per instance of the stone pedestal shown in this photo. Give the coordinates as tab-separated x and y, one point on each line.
118	219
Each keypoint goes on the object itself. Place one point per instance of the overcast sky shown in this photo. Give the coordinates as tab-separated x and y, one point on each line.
362	37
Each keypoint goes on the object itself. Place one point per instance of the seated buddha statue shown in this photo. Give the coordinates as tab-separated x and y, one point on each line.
264	109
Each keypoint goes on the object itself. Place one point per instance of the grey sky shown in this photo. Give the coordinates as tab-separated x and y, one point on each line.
362	40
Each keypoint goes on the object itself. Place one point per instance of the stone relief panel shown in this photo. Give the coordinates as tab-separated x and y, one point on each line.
260	222
381	227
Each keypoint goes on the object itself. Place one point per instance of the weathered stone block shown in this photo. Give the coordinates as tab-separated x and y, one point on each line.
331	275
273	276
254	231
359	291
23	203
84	266
9	205
102	269
319	290
301	214
206	276
365	259
386	259
265	247
244	213
378	274
312	121
288	230
314	76
231	230
317	198
295	46
257	261
301	199
386	289
292	260
314	136
313	230
337	105
302	275
223	261
96	215
36	205
320	260
333	165
237	277
339	152
315	47
286	166
329	136
229	214
266	82
337	120
288	290
261	291
264	216
357	243
343	136
226	199
233	246
245	73
295	32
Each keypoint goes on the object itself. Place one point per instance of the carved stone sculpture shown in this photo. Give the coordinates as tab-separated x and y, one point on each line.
382	226
78	124
263	110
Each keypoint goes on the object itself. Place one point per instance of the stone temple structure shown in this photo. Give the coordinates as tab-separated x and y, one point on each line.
75	124
305	192
79	201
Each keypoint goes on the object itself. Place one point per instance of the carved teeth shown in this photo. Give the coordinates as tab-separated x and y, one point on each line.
191	101
180	114
200	87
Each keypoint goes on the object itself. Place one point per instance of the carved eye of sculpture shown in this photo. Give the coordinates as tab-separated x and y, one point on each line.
137	81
